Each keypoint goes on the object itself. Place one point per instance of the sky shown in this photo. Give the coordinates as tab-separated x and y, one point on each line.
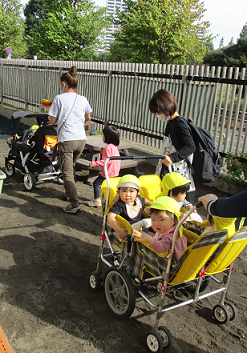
227	18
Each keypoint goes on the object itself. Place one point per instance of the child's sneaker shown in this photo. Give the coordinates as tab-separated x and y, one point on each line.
94	203
70	209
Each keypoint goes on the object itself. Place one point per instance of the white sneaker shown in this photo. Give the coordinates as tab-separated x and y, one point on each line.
94	203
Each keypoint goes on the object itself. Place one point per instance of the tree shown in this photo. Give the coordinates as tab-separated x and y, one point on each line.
64	30
160	31
11	29
243	34
221	45
232	55
34	11
231	42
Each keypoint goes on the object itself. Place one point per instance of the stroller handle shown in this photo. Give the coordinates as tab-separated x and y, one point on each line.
135	157
198	204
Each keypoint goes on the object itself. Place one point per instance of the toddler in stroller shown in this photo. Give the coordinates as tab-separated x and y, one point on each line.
164	218
129	204
33	153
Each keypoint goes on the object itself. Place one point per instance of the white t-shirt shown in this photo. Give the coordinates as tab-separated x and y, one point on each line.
71	107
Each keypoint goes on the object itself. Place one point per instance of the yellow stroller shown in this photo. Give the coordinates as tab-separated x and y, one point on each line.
133	270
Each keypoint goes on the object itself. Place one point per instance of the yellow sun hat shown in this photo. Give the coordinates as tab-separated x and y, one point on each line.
129	180
171	181
165	203
34	127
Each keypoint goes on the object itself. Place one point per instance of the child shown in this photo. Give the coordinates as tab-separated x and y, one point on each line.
129	205
164	217
176	186
111	137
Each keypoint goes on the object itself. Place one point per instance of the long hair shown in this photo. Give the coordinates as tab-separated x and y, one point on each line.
163	102
70	78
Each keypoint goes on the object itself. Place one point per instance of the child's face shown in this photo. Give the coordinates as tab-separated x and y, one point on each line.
128	195
161	221
180	197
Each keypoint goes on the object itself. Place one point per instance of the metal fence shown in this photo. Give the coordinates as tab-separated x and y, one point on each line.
215	98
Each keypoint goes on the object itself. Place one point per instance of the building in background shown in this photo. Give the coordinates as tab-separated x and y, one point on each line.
112	6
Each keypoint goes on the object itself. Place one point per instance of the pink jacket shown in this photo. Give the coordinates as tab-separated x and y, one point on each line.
113	166
163	242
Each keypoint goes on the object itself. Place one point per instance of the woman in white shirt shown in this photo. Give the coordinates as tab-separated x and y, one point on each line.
70	110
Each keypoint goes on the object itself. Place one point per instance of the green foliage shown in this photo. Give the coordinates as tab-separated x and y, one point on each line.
234	178
64	30
160	31
11	29
231	55
243	33
243	58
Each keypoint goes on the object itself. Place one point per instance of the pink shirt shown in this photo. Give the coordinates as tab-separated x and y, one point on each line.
163	242
113	166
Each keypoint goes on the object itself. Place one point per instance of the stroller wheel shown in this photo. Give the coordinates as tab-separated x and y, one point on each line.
29	181
9	169
155	342
232	309
95	282
119	293
166	336
221	313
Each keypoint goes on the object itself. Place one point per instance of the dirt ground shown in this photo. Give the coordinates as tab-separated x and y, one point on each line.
46	304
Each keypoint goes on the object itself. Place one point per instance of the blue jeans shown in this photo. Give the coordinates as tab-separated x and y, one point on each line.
97	186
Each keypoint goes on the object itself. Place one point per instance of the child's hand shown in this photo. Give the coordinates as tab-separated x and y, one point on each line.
140	236
90	165
181	215
122	233
190	207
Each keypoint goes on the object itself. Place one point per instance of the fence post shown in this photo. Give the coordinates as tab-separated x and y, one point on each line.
26	88
1	76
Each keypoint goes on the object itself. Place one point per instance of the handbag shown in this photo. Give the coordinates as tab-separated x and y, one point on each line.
182	167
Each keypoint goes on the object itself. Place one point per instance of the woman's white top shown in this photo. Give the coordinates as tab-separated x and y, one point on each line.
70	109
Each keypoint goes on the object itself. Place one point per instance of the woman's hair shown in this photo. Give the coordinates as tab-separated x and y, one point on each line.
179	190
163	102
111	134
70	78
170	214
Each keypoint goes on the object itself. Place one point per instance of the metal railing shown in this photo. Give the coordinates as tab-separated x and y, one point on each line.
215	98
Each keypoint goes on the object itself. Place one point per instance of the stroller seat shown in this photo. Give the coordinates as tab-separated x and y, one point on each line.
32	153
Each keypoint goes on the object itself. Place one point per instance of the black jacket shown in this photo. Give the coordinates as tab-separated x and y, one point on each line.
179	132
234	206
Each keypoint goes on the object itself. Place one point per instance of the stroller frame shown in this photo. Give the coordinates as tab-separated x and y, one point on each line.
23	157
121	286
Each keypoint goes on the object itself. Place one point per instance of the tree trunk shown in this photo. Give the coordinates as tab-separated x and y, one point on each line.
162	55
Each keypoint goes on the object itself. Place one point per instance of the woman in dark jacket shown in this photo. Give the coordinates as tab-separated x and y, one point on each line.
234	206
180	145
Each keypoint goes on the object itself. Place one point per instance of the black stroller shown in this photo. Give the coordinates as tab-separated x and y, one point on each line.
33	152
